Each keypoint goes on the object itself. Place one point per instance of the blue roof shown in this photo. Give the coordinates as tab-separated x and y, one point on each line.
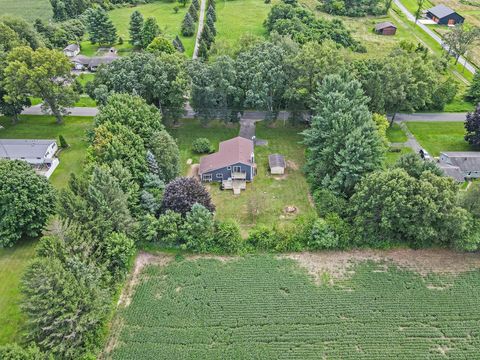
441	11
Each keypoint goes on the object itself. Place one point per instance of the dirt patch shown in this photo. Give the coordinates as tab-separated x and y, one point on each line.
280	177
338	264
292	165
290	210
193	170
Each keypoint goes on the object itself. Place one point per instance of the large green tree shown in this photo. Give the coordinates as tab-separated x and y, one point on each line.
26	202
150	31
23	30
343	143
160	45
100	27
42	73
472	127
188	25
135	29
167	155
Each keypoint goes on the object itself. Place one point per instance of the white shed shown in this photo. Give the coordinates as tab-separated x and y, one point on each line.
277	165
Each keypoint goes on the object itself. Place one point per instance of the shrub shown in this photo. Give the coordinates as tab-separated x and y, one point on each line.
263	238
168	228
228	238
182	193
322	236
201	146
327	202
198	229
62	142
16	352
118	251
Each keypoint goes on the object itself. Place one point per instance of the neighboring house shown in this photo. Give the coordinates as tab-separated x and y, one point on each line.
385	28
81	62
276	163
460	165
38	153
233	165
72	50
443	15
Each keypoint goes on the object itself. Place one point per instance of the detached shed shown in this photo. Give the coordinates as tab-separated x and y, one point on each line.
385	28
277	165
443	15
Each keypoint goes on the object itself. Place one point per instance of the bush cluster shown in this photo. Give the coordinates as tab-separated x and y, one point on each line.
201	146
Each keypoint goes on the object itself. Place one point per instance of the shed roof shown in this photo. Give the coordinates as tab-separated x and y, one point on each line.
275	160
441	11
465	160
452	171
23	148
72	47
233	151
384	25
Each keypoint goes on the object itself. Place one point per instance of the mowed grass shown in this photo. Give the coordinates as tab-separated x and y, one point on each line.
12	264
44	127
440	136
395	134
261	307
169	21
28	9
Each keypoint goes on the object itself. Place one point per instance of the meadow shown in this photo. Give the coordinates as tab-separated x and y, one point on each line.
262	307
28	9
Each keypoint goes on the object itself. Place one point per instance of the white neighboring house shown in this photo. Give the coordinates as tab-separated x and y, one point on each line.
38	153
72	50
461	166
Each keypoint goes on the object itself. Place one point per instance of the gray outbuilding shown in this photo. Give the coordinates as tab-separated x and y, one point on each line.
276	163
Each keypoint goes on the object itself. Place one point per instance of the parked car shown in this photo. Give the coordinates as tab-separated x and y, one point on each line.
425	155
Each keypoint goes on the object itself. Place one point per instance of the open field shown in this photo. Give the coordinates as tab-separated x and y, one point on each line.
28	9
440	136
12	263
44	127
262	307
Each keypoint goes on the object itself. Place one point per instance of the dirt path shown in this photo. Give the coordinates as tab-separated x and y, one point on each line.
200	28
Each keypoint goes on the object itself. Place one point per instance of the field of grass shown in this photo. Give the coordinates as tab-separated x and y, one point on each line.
12	263
440	136
395	134
261	307
28	9
44	127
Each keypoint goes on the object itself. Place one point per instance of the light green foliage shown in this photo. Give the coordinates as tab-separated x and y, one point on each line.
355	7
150	31
16	352
415	166
26	202
118	252
228	238
161	45
322	236
24	30
45	74
198	229
167	155
262	238
382	125
278	311
168	228
201	146
343	142
135	29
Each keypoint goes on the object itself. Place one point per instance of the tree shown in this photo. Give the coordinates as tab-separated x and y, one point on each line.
161	80
167	155
343	143
459	39
211	13
100	27
24	31
26	202
177	43
192	10
418	13
161	45
198	229
118	251
16	352
188	25
228	237
473	94
135	29
150	31
472	127
45	74
203	49
183	2
8	38
201	146
415	166
196	5
182	193
391	206
211	25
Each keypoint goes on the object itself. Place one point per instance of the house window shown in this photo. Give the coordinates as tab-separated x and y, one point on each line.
229	168
219	176
207	177
237	169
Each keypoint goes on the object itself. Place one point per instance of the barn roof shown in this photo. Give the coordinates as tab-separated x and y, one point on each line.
23	148
275	160
441	11
465	160
384	25
233	151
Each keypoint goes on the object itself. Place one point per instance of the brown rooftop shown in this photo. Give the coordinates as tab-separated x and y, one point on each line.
236	150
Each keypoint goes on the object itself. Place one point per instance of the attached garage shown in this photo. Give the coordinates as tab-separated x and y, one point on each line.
276	163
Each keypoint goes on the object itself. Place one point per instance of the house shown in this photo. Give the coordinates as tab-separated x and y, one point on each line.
95	62
385	28
460	165
81	62
233	165
71	50
276	163
443	15
38	153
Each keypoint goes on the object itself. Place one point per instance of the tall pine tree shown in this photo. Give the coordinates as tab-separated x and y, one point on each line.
100	28
211	25
135	29
212	13
188	25
472	127
178	44
192	10
150	31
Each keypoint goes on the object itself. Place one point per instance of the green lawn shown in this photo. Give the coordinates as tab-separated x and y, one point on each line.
169	21
28	9
395	134
440	136
86	101
392	156
12	264
44	127
85	78
261	307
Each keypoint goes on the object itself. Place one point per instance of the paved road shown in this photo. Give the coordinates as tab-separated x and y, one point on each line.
433	35
435	117
200	28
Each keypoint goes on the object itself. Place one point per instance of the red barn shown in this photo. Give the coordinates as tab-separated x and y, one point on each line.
385	28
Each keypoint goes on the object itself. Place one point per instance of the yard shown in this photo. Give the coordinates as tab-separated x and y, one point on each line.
266	307
44	127
440	136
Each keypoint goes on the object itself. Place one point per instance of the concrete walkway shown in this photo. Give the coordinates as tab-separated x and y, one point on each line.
433	35
201	19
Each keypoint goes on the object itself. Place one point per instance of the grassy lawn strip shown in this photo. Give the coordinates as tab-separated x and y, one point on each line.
395	134
44	127
261	307
440	136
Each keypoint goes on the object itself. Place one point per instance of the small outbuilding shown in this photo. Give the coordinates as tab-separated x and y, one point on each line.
385	28
443	15
276	163
71	50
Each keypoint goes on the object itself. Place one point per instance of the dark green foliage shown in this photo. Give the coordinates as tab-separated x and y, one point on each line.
262	238
327	202
211	25
228	238
168	228
211	3
354	7
182	193
177	43
203	49
473	94
207	36
196	4
472	127
67	9
188	25
26	202
62	142
415	166
16	352
24	31
167	154
59	35
211	12
135	29
100	28
201	146
118	251
192	10
150	31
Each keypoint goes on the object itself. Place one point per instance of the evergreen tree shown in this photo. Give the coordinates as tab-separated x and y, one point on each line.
196	5
207	36
100	27
136	28
211	25
212	13
472	126
203	50
188	25
211	3
473	94
192	10
177	43
149	32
